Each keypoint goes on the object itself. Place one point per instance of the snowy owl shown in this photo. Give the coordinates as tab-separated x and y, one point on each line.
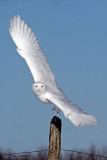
45	87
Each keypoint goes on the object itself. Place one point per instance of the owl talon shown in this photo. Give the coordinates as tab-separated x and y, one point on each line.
56	109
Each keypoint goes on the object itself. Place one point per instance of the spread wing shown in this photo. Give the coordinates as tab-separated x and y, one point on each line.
29	49
71	111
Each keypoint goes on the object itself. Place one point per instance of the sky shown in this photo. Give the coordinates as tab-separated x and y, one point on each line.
73	36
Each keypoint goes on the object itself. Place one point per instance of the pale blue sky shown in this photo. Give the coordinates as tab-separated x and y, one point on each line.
73	35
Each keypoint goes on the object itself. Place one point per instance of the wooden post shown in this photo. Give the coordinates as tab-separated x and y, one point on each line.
55	139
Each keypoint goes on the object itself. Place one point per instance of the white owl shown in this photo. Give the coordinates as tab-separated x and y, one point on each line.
45	87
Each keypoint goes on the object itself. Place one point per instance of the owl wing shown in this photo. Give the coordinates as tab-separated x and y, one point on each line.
29	49
71	111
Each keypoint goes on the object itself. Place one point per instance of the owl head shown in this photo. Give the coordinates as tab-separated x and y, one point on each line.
38	87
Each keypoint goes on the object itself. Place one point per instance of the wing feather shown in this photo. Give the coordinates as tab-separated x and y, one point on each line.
29	49
71	111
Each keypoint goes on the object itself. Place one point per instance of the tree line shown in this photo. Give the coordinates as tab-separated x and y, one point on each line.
91	154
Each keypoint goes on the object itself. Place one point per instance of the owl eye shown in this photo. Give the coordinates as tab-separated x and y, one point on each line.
36	86
42	86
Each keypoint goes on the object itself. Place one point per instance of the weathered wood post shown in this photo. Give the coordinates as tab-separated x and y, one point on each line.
55	139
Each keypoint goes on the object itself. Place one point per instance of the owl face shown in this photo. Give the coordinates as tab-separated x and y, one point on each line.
38	87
